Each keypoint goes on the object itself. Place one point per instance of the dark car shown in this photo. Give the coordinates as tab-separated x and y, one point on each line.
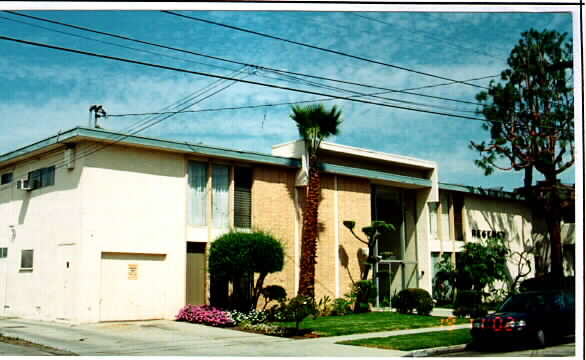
534	317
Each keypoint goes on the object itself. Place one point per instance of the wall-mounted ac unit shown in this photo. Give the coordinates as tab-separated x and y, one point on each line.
23	184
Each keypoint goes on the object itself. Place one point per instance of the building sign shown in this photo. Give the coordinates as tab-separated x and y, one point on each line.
132	271
484	234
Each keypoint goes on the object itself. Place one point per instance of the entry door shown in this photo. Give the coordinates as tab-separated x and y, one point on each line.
196	273
65	291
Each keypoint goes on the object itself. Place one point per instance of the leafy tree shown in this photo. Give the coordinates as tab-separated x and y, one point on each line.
482	264
531	123
373	234
315	124
235	257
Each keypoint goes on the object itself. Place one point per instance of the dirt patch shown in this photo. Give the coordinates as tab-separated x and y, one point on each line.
47	349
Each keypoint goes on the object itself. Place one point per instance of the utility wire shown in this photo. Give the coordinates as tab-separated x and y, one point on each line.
320	48
114	44
408	91
427	34
140	126
158	66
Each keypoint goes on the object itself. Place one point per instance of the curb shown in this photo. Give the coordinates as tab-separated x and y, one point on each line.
437	351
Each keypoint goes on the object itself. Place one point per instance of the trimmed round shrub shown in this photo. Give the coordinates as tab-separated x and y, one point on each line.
407	300
234	258
274	292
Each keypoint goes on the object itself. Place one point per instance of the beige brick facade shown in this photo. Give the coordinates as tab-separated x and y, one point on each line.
273	210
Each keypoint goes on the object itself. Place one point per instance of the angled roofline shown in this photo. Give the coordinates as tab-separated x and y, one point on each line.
169	145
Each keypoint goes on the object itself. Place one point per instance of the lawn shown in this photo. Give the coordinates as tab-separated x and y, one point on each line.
416	341
371	322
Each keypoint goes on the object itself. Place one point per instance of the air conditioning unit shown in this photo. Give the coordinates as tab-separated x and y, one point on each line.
23	184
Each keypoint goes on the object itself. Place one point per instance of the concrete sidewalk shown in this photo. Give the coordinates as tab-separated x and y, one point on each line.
164	337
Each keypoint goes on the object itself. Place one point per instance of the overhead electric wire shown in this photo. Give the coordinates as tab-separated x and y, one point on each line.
147	123
158	66
375	95
320	48
427	34
113	44
408	91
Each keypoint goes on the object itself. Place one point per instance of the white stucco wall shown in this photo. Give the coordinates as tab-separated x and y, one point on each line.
133	202
48	221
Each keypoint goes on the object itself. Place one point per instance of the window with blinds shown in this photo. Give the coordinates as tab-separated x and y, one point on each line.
242	197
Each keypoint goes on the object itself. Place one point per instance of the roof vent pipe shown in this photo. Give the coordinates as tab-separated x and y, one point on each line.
99	112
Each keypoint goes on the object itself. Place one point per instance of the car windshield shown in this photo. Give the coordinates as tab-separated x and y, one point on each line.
531	303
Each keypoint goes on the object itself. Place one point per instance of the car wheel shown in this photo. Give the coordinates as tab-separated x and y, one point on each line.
540	338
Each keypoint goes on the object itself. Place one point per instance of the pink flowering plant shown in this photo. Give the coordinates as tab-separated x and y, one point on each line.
204	314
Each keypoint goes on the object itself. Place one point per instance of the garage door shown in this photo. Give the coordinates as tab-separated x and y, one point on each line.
132	286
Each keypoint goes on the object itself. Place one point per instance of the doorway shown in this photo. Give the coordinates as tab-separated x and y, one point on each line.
196	274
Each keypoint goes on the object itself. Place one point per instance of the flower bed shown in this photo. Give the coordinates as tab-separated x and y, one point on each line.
204	314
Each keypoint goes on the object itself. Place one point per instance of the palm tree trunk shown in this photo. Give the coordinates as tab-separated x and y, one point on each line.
309	236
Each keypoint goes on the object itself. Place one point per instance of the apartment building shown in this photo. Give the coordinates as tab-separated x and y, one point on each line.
102	226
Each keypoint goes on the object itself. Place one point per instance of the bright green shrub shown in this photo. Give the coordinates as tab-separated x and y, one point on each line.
407	300
341	306
235	257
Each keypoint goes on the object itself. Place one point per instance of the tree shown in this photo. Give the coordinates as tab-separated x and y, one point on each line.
235	257
315	124
530	119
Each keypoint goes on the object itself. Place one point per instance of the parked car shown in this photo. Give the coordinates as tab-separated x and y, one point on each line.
535	317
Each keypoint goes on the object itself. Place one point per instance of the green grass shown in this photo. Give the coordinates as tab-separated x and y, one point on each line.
416	341
370	322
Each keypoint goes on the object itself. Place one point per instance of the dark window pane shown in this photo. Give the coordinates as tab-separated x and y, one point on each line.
458	224
6	178
26	259
242	197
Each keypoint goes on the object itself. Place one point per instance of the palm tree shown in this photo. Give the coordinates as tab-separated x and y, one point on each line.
314	123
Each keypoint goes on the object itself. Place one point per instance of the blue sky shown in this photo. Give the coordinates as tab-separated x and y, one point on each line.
44	91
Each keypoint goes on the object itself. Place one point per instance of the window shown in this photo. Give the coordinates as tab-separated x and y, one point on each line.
242	197
433	220
198	196
42	177
458	202
3	253
26	259
220	196
6	178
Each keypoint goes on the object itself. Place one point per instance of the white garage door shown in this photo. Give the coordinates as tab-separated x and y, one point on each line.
132	286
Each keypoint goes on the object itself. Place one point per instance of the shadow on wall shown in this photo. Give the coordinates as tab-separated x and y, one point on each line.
521	244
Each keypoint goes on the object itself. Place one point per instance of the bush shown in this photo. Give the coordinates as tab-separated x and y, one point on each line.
469	303
364	293
324	306
273	293
235	257
341	306
407	300
299	308
204	314
252	317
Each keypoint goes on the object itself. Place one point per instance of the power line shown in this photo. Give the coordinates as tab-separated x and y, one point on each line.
152	65
112	44
320	48
408	91
145	124
427	34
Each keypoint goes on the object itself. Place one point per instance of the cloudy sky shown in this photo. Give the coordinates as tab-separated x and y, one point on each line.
45	91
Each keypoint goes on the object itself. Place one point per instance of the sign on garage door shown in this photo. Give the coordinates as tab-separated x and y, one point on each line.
132	286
